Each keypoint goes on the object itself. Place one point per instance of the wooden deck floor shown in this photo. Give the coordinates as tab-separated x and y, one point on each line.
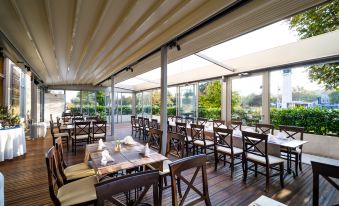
26	181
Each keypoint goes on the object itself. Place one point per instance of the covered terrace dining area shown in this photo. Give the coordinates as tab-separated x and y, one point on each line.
169	102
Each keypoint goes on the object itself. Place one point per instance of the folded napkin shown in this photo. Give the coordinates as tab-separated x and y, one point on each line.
272	138
101	144
106	157
237	133
281	135
129	140
146	152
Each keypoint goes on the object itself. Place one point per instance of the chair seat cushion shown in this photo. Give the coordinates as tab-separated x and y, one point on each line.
83	136
226	150
74	175
63	134
76	167
259	159
201	143
79	191
165	167
101	135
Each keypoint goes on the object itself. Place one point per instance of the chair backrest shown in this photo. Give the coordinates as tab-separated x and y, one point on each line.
54	180
181	128
66	116
146	123
82	128
51	125
133	121
178	167
141	121
61	164
51	117
175	145
197	132
154	124
171	118
99	127
292	132
189	120
234	125
78	115
223	138
77	119
264	128
328	172
218	123
155	138
202	121
106	190
252	144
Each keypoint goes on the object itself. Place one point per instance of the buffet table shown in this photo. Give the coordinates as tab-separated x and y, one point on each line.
12	143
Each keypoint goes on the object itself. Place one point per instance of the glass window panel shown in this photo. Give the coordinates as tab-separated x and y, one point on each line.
247	99
172	101
187	101
147	104
210	99
73	101
139	103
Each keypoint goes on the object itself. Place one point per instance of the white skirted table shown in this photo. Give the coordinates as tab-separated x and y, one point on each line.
12	143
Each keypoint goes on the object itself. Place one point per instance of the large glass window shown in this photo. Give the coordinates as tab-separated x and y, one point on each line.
73	101
247	99
210	99
172	101
297	101
156	103
88	103
187	101
147	104
139	103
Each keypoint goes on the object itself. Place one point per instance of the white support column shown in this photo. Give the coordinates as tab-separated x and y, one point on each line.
80	101
266	98
42	104
112	107
228	99
223	98
34	109
134	112
196	85
163	104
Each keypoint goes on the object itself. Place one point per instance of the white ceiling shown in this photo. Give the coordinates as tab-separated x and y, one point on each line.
95	39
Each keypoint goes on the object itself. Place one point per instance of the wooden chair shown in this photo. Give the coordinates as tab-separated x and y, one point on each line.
175	146
66	117
81	134
199	140
234	125
296	154
328	172
264	128
218	123
181	128
72	172
63	135
202	121
258	155
135	125
189	120
106	190
141	126
98	131
154	124
146	128
154	140
74	193
177	168
223	144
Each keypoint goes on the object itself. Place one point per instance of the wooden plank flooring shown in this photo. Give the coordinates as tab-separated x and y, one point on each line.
26	181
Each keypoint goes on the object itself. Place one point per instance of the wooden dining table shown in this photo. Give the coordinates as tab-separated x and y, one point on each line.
130	156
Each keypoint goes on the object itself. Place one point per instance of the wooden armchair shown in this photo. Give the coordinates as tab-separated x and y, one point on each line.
81	134
199	141
107	190
177	168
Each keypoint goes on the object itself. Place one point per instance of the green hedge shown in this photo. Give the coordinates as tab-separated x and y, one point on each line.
209	113
171	111
314	120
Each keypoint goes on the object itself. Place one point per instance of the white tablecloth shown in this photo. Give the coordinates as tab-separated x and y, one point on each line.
2	188
12	143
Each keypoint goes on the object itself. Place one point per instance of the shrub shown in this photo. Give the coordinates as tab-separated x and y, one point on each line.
209	113
314	120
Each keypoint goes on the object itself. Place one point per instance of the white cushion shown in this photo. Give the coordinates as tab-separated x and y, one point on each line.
226	150
84	136
201	143
98	135
271	159
64	134
79	191
76	167
74	175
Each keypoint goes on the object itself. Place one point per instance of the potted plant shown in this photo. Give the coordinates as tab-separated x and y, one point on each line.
7	119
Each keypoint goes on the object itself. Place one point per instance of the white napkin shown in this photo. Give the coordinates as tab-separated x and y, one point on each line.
106	157
146	151
237	133
101	144
129	140
281	135
272	138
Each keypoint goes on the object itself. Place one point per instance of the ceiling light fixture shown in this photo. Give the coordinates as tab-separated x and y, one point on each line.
67	68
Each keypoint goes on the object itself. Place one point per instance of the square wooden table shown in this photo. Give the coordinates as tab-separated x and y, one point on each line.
128	157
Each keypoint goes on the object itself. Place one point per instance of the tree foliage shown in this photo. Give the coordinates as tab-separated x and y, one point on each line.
210	94
316	21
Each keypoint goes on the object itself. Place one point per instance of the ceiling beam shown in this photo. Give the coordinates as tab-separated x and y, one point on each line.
220	64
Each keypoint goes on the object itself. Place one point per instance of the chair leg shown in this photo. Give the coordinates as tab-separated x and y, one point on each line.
300	162
267	178
255	169
160	189
232	166
296	164
216	160
224	160
179	187
282	175
245	171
